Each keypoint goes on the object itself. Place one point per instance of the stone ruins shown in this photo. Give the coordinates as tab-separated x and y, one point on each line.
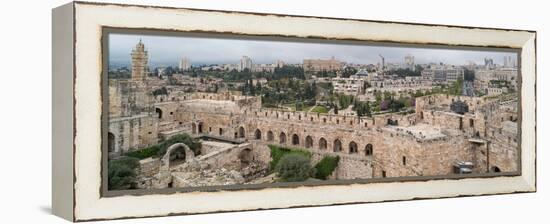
236	131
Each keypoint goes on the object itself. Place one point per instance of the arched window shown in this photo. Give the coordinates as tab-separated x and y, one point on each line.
282	138
258	134
200	127
309	142
368	150
337	146
241	132
322	144
221	131
270	136
353	147
295	139
159	112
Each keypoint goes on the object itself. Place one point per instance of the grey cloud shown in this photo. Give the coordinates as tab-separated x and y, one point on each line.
169	49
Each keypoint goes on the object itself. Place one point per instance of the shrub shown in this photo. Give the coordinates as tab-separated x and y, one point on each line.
193	144
161	91
151	151
278	152
294	167
326	166
122	173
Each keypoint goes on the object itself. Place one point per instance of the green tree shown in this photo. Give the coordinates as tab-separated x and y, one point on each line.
160	91
456	87
294	167
326	166
345	100
348	71
122	173
362	108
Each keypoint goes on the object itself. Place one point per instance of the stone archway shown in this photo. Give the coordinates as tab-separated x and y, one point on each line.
258	134
165	161
270	136
246	157
111	143
309	142
322	144
368	150
158	111
353	148
282	138
495	169
295	139
337	146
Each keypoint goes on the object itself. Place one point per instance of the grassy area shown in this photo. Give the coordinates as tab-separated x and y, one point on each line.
307	108
320	109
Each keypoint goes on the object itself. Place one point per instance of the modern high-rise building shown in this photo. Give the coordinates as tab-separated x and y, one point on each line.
185	64
409	62
508	62
139	62
489	64
246	63
279	63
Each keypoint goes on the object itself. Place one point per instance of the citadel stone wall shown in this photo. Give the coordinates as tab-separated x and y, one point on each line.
386	145
133	132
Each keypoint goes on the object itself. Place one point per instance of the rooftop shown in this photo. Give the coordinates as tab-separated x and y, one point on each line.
206	105
419	131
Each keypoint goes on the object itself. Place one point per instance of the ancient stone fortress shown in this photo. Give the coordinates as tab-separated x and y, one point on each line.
445	135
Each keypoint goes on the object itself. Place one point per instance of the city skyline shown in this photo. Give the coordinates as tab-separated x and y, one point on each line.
168	50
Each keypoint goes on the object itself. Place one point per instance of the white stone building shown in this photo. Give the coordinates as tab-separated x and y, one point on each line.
245	63
184	64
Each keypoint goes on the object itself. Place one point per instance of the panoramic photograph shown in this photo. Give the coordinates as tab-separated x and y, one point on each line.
201	111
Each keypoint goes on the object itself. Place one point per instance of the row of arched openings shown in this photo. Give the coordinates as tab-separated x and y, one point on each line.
295	140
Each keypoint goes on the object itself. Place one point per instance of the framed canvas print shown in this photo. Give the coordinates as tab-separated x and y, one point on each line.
161	111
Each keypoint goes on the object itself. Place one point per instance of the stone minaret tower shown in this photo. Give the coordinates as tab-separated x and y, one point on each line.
139	62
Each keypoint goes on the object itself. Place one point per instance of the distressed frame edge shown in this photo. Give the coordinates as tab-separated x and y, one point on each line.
63	26
530	183
106	31
297	16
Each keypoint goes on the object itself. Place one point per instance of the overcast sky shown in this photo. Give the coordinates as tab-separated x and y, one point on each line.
168	50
